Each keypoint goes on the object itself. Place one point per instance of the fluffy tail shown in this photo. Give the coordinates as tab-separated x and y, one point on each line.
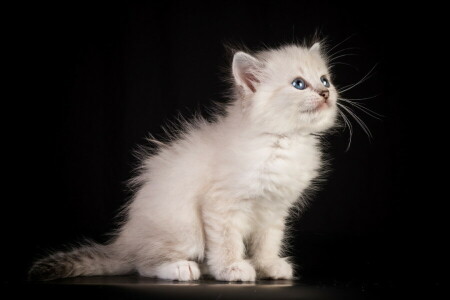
89	260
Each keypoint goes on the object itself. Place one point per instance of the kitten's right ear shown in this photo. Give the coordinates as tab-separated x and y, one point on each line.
246	71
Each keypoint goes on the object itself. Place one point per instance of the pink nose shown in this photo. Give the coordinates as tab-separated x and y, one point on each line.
324	94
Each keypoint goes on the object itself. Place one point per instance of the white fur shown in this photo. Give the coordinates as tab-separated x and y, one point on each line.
231	183
221	192
181	270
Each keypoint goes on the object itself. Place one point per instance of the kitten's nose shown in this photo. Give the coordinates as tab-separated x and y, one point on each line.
324	94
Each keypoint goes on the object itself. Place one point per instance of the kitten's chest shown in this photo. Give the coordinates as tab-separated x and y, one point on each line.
280	168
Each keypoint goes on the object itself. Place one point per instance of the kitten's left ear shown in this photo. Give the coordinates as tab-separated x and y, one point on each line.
316	47
246	71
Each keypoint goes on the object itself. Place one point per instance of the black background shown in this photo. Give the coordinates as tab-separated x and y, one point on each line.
91	81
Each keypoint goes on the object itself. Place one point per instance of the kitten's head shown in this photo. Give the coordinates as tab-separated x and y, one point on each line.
286	89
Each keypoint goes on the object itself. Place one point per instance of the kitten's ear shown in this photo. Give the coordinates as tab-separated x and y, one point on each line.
246	71
315	48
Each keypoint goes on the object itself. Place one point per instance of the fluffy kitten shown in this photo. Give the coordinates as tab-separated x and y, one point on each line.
216	199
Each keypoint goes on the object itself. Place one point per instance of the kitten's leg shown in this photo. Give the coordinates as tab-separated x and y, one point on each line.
265	250
225	246
160	249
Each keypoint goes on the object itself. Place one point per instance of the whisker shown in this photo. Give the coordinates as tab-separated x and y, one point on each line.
342	63
364	109
357	119
343	55
360	99
360	81
338	44
331	56
344	87
350	128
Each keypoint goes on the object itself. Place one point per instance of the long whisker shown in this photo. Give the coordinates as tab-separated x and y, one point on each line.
344	87
331	56
360	81
347	87
360	99
364	109
350	128
342	63
341	52
342	55
338	44
357	119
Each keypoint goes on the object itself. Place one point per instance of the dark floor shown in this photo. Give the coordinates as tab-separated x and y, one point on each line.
135	287
330	268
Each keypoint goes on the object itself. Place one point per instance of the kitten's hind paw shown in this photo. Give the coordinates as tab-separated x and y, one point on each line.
238	271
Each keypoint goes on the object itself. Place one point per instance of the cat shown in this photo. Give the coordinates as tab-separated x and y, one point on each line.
215	200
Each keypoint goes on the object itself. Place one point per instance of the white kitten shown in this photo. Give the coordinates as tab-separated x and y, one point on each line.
218	196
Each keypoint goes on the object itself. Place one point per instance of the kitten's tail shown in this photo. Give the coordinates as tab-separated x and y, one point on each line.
89	260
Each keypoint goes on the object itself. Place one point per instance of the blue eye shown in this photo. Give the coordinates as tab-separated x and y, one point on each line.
325	81
299	84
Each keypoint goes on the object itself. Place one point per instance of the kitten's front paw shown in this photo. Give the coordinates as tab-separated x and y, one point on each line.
238	271
182	270
277	268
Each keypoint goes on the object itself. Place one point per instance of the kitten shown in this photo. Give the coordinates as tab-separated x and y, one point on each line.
215	200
